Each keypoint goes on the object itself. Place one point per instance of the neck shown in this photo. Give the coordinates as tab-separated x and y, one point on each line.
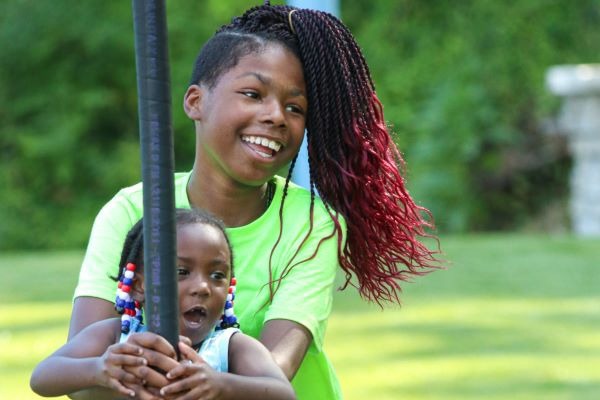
197	346
235	204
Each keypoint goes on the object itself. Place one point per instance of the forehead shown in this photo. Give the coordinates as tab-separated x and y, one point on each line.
200	239
273	61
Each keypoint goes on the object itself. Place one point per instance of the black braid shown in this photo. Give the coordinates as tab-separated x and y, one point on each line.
132	249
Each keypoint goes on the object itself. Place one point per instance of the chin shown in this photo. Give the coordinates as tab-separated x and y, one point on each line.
196	335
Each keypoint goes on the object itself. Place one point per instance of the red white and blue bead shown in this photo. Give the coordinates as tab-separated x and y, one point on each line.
124	303
228	319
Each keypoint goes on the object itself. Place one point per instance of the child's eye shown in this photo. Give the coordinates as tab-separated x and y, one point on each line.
250	93
181	271
295	109
218	275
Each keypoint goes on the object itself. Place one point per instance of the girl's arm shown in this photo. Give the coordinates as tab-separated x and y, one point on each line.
87	310
89	359
288	342
156	352
253	374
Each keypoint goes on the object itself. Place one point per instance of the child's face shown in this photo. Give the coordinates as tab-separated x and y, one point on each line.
204	272
251	123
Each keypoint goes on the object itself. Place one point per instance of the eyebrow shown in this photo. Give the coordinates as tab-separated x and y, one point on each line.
215	261
295	92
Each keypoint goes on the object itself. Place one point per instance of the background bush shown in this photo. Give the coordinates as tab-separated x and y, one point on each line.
462	84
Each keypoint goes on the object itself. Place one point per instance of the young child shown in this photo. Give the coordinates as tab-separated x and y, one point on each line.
255	86
221	362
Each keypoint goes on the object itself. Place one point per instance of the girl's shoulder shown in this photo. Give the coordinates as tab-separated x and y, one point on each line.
248	356
241	344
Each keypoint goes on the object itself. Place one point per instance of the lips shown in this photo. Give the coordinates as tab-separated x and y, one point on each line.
194	316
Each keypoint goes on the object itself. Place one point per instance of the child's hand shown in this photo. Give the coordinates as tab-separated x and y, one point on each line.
112	365
195	379
185	340
159	356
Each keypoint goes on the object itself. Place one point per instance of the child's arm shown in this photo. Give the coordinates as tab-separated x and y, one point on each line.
253	375
89	359
158	354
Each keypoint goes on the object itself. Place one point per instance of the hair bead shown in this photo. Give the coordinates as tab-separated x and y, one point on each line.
228	319
124	303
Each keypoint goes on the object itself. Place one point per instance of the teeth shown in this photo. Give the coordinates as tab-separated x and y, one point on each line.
271	144
263	155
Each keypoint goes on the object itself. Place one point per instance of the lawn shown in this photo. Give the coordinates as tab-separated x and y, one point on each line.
513	317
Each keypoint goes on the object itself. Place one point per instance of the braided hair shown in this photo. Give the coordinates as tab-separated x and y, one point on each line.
354	165
132	258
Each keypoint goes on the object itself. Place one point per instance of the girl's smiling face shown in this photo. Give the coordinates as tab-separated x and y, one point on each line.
251	122
204	273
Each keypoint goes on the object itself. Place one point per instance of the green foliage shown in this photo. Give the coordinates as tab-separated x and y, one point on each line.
462	84
69	110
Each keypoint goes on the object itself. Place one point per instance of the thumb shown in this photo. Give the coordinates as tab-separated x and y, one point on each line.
188	353
185	340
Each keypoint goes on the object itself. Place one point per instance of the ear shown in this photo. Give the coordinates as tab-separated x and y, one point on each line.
192	102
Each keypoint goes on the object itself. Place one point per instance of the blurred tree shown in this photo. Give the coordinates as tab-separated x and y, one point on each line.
462	84
68	108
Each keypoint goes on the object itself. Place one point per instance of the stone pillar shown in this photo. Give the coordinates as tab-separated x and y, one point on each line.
579	86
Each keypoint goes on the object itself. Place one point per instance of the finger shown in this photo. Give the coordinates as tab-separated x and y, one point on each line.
179	370
159	360
176	389
125	359
189	357
185	340
144	393
125	348
148	376
117	386
149	340
153	377
188	353
122	375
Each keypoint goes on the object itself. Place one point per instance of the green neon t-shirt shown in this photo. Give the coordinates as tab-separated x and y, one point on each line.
303	296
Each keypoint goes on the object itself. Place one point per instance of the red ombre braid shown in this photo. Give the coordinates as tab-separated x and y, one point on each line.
357	167
354	165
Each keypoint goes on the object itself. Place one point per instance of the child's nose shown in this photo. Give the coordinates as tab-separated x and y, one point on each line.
200	288
274	112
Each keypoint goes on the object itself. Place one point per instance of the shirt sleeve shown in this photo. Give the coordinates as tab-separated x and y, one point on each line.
305	294
101	260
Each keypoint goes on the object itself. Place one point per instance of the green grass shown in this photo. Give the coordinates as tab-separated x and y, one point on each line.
513	317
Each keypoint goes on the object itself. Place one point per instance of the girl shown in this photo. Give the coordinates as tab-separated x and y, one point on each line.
257	84
92	359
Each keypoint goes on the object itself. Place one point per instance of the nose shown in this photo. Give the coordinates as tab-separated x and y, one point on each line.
274	112
199	287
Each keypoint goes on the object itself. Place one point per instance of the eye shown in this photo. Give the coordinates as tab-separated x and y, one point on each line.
218	275
295	109
182	271
251	94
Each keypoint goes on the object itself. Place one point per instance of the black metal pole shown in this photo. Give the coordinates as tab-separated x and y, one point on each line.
156	138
